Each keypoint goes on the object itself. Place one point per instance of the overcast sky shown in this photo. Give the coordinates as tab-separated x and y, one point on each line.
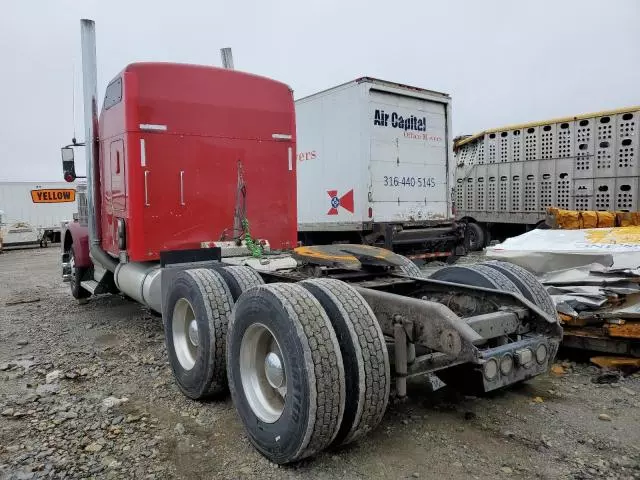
502	61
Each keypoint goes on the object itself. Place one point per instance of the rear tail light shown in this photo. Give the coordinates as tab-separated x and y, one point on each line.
370	212
506	364
490	369
541	353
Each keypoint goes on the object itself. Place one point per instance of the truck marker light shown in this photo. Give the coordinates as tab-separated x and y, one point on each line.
152	127
290	156
143	153
281	136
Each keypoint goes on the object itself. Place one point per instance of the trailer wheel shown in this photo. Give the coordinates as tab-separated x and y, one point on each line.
477	276
487	236
475	236
364	354
285	371
77	274
198	305
239	279
408	268
527	283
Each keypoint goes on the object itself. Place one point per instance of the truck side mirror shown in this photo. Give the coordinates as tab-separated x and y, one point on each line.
68	164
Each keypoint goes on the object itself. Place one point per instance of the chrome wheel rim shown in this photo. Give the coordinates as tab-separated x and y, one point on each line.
186	340
263	373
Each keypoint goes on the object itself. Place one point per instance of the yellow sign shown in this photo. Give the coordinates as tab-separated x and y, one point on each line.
53	195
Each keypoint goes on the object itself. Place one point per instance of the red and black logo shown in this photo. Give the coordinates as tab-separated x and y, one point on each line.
345	201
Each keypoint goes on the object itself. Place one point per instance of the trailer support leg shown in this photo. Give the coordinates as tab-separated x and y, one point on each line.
400	337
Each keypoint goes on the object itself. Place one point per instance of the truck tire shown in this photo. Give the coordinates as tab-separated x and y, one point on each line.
239	279
285	371
408	268
527	283
475	237
77	274
364	354
487	236
477	276
198	305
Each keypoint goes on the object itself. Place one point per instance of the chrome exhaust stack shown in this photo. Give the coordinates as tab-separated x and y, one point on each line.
90	101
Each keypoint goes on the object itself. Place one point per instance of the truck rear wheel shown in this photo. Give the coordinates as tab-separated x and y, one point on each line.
408	268
527	283
364	354
285	371
198	305
477	276
475	237
239	279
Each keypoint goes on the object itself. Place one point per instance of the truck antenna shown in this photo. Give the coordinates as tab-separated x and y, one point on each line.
227	58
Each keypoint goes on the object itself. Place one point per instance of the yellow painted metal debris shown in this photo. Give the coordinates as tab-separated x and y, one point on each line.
616	362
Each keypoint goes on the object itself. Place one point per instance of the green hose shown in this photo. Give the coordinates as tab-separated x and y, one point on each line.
254	248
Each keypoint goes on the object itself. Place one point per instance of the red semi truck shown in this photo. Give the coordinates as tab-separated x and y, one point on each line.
190	208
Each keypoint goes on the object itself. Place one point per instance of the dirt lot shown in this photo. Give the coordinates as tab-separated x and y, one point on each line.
65	370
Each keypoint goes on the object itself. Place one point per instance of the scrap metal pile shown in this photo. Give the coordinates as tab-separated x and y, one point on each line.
593	276
599	307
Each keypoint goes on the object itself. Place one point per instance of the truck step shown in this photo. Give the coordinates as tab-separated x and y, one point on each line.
90	285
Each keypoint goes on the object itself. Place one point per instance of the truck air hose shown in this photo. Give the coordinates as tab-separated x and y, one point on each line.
254	248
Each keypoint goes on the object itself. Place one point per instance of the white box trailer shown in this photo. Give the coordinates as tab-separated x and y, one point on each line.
33	212
373	167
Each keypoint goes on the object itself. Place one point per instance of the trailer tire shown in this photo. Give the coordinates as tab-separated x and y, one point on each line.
527	283
408	268
77	274
476	236
364	354
477	276
198	308
240	279
487	235
280	337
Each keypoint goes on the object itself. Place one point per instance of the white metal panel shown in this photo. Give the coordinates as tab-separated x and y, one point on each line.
16	203
330	160
409	167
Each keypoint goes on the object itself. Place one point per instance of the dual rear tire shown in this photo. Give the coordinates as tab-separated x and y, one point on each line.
499	275
306	363
331	380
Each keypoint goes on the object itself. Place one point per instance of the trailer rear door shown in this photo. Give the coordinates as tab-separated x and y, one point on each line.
408	172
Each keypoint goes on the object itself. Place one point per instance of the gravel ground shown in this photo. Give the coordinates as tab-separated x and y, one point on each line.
86	392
